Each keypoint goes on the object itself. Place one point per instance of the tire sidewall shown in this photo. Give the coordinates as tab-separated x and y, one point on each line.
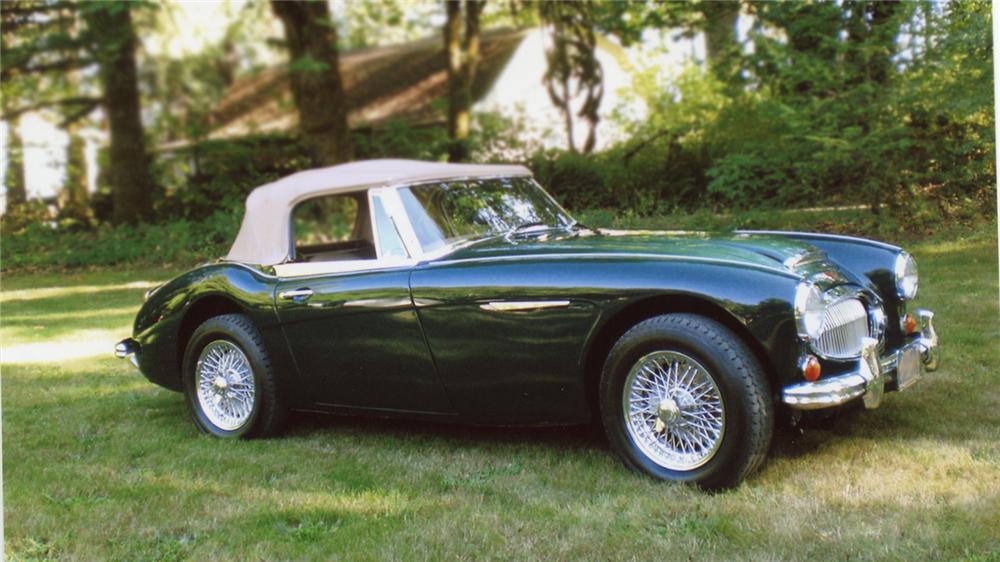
213	330
636	345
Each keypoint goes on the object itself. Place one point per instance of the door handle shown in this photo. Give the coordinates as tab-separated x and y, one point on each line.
297	295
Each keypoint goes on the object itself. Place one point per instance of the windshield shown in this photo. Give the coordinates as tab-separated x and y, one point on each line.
446	213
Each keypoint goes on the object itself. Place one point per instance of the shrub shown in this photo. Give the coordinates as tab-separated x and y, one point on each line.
213	176
183	241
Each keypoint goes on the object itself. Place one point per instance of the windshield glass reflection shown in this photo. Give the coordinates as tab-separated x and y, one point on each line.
448	213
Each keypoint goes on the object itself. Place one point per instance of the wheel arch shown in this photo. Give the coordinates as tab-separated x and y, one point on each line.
205	307
614	327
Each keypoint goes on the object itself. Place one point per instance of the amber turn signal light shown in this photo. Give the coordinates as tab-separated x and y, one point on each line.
810	368
909	324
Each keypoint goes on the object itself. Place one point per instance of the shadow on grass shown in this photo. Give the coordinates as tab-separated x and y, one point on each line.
73	302
453	434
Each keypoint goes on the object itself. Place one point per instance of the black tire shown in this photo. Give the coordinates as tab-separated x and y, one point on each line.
267	415
741	383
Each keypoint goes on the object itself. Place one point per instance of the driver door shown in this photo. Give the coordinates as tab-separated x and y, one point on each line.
345	308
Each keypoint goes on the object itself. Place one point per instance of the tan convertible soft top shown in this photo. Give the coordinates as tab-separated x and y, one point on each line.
264	234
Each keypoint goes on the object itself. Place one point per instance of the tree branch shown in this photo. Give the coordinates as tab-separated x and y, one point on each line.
11	25
29	8
630	153
84	111
89	102
27	68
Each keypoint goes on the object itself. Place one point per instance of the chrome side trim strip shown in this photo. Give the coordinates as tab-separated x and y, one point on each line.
520	306
312	269
378	303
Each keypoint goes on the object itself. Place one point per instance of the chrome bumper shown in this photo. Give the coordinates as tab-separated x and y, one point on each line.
128	348
869	378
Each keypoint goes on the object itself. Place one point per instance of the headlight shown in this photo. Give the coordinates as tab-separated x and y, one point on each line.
906	276
809	310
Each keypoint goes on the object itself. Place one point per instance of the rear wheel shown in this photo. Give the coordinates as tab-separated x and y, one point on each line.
228	382
684	399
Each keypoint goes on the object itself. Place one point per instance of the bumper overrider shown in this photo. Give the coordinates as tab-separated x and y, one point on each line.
869	379
128	348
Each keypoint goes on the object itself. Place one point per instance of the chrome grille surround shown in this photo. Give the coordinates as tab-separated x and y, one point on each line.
845	325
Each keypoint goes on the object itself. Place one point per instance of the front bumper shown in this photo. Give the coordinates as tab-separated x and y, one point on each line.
128	348
869	379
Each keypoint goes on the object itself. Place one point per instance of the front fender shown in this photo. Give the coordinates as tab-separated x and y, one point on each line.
757	301
868	259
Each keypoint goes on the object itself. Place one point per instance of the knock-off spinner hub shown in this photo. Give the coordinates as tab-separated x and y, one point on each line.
668	411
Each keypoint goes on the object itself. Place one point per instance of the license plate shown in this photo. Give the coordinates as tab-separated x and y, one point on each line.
908	369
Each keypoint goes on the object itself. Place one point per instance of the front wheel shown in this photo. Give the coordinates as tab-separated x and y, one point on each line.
684	399
230	388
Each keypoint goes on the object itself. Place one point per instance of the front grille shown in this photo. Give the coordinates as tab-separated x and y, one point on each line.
844	325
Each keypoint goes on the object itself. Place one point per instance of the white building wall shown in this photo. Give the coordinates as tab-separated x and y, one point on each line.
520	92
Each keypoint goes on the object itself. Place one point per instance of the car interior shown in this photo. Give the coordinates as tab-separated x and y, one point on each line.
333	228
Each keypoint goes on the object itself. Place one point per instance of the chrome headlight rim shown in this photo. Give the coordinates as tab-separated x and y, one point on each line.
810	306
905	275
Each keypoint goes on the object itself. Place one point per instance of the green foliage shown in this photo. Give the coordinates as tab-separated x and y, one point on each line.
576	180
218	175
742	179
387	22
307	64
397	139
41	246
858	103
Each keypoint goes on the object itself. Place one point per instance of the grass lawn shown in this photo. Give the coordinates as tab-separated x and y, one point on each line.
99	464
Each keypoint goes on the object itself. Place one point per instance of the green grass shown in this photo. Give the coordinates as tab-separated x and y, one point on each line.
101	465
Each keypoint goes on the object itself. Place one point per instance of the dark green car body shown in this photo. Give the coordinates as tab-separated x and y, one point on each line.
418	340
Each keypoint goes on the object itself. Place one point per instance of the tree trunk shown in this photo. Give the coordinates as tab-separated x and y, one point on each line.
928	10
14	177
316	83
573	68
591	77
73	199
558	75
567	110
458	118
463	60
884	31
720	33
871	33
128	173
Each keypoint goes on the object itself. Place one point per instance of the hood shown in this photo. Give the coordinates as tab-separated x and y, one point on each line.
763	250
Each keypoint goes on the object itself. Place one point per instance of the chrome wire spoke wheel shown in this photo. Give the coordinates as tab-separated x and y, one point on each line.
673	410
226	385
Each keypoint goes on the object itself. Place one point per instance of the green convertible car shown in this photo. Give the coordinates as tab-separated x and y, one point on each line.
465	292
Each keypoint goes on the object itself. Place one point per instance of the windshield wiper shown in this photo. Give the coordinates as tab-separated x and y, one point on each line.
527	226
577	225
